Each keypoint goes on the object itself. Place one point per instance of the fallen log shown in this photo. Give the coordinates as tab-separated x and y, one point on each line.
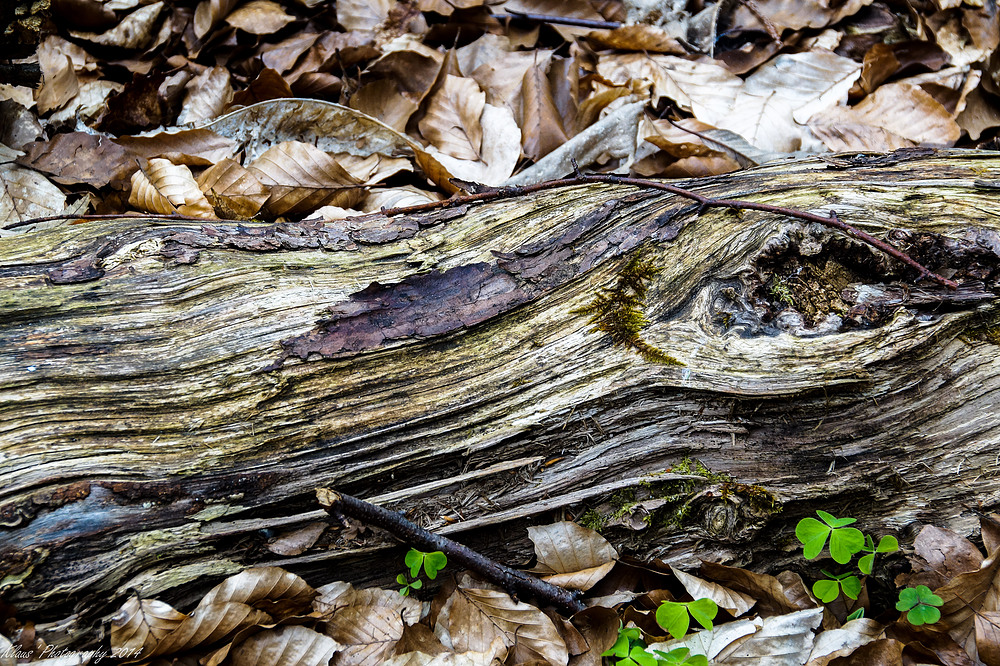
172	393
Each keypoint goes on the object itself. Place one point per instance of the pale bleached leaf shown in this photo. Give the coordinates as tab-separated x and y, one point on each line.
362	14
165	187
259	17
736	603
794	14
293	645
397	197
452	123
782	640
26	194
834	643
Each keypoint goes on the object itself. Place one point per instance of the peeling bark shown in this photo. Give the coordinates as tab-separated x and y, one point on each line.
172	394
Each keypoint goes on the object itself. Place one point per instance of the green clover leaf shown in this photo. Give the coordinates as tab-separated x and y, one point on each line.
679	656
919	604
844	541
675	617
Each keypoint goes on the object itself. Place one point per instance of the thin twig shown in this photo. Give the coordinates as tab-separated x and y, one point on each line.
514	581
492	194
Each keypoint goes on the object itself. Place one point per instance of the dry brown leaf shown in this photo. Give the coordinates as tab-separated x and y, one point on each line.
989	528
599	628
139	626
297	541
775	596
736	603
89	103
168	188
967	595
638	37
282	56
339	595
59	80
386	101
366	633
302	178
988	637
424	659
135	31
209	13
285	646
946	552
894	116
195	147
492	62
206	95
374	168
452	123
108	162
565	547
268	85
541	123
209	624
233	191
279	592
259	17
397	197
473	619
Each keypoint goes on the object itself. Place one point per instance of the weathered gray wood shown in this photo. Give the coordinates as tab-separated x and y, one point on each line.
163	419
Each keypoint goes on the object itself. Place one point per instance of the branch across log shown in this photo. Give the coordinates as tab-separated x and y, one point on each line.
172	393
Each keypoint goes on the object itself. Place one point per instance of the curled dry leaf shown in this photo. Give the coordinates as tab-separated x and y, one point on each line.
841	642
195	147
397	197
340	595
372	169
233	191
473	619
59	80
206	95
500	150
208	625
135	31
168	188
794	14
293	645
89	103
736	603
279	592
302	178
209	13
452	123
386	101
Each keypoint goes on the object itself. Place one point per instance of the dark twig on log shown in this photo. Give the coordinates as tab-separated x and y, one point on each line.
514	581
560	20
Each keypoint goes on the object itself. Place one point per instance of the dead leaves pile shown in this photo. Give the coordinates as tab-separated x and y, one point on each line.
270	617
265	109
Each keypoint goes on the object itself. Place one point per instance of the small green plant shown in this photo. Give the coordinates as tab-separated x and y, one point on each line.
675	616
845	541
680	657
415	560
828	589
920	605
630	650
887	544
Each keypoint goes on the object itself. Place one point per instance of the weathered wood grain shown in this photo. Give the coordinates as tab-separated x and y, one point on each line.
171	394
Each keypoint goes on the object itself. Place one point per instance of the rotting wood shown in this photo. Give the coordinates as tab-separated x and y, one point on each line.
159	422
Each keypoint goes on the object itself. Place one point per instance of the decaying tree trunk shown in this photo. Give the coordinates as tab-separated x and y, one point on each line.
172	393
